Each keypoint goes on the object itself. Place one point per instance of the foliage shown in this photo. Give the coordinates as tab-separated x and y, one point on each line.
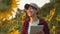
50	12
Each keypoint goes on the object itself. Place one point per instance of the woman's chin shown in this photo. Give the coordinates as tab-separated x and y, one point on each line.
30	16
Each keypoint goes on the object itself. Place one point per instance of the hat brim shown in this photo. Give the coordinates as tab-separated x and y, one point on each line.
27	6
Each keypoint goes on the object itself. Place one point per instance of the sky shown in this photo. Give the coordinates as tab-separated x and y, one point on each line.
40	3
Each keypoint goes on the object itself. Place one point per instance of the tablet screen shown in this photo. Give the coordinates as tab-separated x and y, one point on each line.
35	29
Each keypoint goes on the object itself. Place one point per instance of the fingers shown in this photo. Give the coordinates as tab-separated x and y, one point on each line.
40	32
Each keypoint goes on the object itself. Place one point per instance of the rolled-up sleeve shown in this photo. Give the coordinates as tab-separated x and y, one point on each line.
46	28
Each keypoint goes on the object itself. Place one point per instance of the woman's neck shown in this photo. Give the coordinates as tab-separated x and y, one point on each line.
33	19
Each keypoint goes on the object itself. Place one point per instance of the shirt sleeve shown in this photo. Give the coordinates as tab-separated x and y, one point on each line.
24	28
46	28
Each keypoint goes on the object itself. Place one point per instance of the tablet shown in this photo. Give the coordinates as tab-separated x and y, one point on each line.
35	29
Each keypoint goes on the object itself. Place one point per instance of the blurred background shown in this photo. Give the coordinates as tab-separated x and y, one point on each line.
12	15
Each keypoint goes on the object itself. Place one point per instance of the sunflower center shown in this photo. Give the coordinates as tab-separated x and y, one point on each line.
4	4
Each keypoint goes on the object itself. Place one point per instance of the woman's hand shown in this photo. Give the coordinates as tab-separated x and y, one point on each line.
40	32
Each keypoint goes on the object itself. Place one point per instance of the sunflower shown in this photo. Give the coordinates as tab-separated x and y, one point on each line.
54	29
6	13
14	31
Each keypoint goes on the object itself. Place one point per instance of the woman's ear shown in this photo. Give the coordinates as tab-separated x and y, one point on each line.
38	9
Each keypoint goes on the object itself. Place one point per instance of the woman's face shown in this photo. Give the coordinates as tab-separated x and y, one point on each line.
31	11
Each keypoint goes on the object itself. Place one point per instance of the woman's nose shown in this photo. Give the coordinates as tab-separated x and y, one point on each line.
29	10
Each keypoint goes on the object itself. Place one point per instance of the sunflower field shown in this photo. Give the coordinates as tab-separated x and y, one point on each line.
12	18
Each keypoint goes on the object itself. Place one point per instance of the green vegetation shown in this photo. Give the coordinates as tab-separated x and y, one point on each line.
50	12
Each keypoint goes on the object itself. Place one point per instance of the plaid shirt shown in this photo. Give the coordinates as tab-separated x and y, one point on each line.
41	22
